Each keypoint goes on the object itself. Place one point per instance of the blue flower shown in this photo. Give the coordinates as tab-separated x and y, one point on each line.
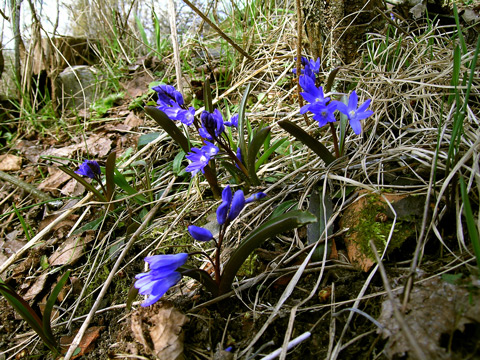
161	277
255	197
233	121
314	65
312	94
199	233
238	203
354	114
167	94
323	113
175	112
231	206
209	149
212	125
199	159
304	62
239	156
311	67
222	210
89	168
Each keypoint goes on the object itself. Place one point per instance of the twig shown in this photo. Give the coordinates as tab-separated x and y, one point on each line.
176	50
40	195
113	272
218	30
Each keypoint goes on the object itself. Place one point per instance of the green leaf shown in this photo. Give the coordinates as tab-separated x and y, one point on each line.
132	294
201	276
82	181
147	138
141	29
122	183
102	106
269	152
256	238
169	126
177	163
241	123
253	150
308	140
322	208
471	225
92	225
281	208
49	306
27	313
331	78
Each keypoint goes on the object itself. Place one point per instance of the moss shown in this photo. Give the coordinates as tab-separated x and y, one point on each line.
374	225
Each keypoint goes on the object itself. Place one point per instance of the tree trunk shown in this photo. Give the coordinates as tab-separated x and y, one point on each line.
336	28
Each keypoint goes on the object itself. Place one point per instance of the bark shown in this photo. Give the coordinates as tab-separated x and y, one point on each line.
336	28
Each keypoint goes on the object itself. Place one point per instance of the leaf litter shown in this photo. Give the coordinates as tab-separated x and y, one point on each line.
399	95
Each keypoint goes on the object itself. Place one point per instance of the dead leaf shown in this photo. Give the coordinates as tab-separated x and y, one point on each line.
436	309
73	188
98	145
70	250
86	344
163	328
133	120
36	288
53	182
9	162
351	219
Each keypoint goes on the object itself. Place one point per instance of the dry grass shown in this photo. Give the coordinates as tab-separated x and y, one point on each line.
408	136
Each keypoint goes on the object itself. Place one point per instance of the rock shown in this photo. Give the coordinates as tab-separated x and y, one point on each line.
78	87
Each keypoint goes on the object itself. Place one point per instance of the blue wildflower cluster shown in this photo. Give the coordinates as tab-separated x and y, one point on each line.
164	272
210	128
90	169
323	108
162	276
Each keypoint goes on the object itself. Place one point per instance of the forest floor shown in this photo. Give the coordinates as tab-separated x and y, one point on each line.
397	185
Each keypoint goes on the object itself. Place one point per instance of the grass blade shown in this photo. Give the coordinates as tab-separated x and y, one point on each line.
471	226
301	135
253	149
47	313
241	123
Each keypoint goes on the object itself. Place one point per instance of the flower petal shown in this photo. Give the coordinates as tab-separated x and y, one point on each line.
238	203
199	233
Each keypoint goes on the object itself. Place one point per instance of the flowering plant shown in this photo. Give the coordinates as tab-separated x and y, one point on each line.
217	142
323	110
167	270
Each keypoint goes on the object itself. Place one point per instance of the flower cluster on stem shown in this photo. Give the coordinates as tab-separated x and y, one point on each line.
323	108
164	272
211	129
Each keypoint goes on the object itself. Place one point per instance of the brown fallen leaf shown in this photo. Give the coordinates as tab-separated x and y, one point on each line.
353	217
163	324
36	288
436	309
73	188
54	181
86	344
133	120
98	145
9	162
71	250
